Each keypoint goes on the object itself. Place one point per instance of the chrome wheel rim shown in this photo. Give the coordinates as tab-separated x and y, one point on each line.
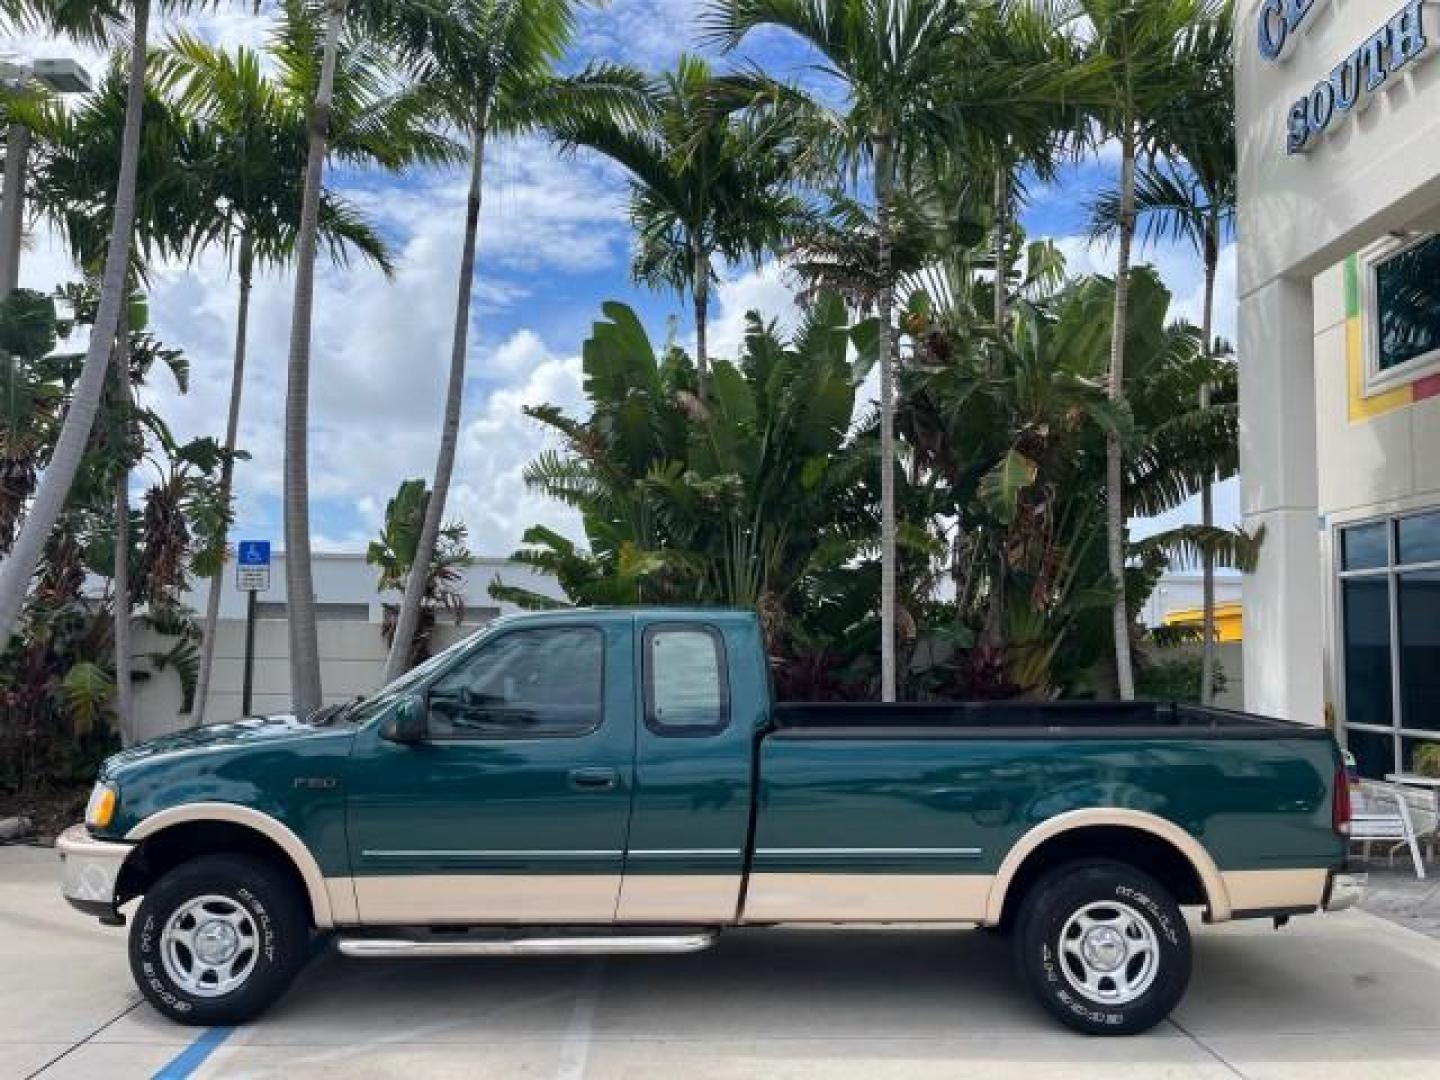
210	946
1109	953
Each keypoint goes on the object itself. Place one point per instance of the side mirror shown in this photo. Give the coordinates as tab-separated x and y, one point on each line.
406	723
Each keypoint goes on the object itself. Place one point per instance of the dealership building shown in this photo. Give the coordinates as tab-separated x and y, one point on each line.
1339	285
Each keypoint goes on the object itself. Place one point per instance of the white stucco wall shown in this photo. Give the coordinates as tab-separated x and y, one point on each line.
1306	462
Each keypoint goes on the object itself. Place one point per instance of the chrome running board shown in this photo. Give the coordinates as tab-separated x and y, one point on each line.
375	948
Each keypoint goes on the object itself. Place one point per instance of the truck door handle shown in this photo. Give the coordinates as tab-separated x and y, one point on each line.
594	779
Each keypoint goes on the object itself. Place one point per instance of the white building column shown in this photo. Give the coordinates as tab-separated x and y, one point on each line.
1284	612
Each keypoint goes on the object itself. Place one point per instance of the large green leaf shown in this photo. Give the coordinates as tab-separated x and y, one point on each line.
88	690
1002	486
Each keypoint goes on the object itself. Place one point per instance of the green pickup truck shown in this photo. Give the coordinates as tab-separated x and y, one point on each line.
621	781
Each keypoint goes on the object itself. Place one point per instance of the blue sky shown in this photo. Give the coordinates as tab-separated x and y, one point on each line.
555	245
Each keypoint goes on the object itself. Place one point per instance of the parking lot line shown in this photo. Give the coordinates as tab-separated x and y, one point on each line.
575	1054
193	1056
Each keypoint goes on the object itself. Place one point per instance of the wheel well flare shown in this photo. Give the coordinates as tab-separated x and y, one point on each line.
1148	843
171	837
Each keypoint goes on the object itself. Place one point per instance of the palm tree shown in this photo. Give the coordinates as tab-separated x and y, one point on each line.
94	22
494	76
252	126
1145	55
1190	198
408	30
703	184
1026	36
911	89
394	553
78	160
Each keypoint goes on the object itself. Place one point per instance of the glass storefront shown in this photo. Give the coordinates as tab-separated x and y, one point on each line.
1390	639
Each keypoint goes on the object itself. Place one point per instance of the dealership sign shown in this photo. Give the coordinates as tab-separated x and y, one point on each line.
1356	81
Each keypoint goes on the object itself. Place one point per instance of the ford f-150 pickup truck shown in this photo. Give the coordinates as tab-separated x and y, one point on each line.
621	781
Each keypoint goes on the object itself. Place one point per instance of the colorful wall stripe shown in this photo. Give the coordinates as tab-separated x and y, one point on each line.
1363	407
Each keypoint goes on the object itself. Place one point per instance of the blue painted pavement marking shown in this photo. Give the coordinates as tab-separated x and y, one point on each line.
193	1056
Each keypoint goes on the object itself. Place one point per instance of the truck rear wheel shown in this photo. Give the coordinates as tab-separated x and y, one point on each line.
218	940
1104	948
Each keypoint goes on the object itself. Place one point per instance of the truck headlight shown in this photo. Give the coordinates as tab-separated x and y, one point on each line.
100	811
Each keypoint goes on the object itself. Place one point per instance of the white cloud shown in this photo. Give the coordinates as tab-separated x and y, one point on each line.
381	350
650	33
765	290
490	493
541	210
522	352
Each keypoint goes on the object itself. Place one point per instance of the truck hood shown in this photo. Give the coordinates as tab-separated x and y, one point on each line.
255	733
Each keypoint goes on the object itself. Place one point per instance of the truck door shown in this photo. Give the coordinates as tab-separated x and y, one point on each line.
690	824
514	807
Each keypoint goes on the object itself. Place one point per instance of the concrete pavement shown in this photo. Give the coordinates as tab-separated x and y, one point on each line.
1347	995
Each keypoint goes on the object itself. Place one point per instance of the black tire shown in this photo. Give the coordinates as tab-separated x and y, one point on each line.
267	958
1115	896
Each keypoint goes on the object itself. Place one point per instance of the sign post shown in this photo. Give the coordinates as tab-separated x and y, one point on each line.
252	576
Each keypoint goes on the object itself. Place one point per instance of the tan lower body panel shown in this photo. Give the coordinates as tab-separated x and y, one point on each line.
681	898
428	899
1263	890
341	891
867	897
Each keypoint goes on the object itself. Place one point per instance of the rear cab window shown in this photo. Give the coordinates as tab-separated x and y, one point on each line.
687	692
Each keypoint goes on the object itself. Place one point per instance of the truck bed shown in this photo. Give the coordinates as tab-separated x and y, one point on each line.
1029	719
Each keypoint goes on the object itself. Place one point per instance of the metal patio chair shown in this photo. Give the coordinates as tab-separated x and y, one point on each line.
1381	812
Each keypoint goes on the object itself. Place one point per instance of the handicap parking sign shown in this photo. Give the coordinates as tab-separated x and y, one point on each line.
252	566
255	553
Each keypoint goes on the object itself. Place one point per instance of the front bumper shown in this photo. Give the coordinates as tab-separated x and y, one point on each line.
90	870
1345	891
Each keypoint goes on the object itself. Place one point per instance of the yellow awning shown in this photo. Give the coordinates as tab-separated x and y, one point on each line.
1229	620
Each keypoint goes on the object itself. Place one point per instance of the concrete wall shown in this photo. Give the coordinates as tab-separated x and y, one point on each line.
1375	454
1304	451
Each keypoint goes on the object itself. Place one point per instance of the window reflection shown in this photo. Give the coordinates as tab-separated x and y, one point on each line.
1367	651
1407	288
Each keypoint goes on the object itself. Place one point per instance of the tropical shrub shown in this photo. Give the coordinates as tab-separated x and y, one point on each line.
57	672
749	497
394	554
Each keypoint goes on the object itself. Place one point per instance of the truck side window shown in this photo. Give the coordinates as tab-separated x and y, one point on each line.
525	684
685	685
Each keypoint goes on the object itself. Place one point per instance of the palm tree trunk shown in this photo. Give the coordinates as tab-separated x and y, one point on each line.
120	576
227	471
1002	244
1114	460
20	565
305	689
884	179
1207	492
702	315
401	644
12	213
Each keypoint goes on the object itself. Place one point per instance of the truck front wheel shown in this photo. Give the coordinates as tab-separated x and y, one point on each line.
1104	947
218	940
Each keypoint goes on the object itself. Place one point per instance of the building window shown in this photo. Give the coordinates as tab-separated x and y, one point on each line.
1390	639
1403	310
